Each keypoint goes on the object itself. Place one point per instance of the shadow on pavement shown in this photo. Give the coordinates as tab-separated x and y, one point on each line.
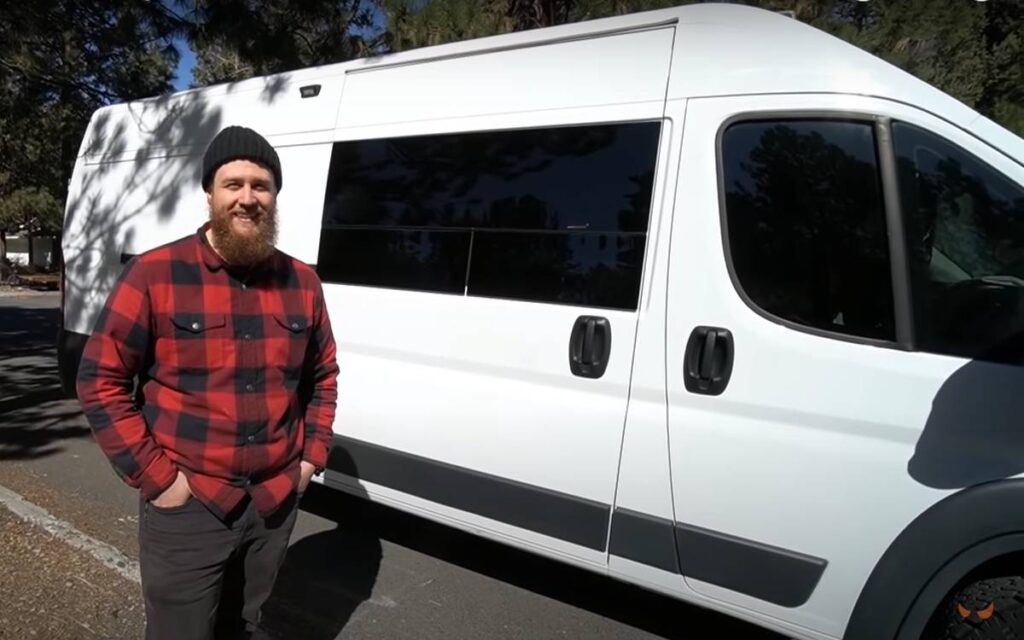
26	330
326	575
34	415
333	572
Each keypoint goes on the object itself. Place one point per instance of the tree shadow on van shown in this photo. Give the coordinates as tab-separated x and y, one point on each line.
131	191
975	432
128	191
326	575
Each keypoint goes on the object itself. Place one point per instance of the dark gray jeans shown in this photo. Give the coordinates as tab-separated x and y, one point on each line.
203	578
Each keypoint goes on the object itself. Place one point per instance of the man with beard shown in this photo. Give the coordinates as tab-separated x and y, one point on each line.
210	385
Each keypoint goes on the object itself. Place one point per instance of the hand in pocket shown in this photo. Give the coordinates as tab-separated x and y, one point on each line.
175	495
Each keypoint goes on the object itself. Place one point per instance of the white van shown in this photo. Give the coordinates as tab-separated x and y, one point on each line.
703	299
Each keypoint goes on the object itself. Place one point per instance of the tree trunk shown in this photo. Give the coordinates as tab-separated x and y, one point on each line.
68	151
31	252
3	256
58	253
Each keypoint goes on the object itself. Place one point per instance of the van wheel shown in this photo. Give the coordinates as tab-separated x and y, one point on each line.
990	609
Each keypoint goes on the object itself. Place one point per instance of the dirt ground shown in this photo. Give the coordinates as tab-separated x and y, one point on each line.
51	591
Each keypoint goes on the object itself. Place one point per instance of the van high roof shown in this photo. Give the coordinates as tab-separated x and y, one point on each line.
719	49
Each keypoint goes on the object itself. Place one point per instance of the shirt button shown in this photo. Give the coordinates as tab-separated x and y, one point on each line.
295	325
247	336
251	438
249	387
243	285
195	326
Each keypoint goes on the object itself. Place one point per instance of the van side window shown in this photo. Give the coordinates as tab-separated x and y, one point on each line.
965	240
550	215
806	224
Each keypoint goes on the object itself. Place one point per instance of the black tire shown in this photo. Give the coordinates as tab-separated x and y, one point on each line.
991	609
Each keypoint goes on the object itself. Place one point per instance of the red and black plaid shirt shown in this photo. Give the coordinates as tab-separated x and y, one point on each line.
236	371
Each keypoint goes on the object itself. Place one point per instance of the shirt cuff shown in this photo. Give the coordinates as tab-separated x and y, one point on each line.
315	453
157	478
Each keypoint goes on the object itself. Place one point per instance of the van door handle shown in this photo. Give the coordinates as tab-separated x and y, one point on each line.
707	364
590	343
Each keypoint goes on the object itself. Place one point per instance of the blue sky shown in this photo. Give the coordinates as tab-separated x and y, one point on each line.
183	74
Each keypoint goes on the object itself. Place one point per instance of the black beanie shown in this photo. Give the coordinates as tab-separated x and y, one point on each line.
239	143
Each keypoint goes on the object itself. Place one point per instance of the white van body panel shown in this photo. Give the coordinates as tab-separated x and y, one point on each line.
485	392
808	447
169	125
513	81
527	419
644	482
729	50
806	451
489	388
122	207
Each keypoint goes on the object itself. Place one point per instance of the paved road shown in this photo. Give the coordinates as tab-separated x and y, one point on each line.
354	570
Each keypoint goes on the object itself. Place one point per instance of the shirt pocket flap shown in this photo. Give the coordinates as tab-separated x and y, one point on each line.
294	324
197	323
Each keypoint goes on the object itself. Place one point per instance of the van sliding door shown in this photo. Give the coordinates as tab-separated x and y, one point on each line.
484	237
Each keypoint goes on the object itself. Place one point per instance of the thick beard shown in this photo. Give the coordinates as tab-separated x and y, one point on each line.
244	250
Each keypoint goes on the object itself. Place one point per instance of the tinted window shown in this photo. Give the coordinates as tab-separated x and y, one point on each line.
594	270
551	215
598	178
404	259
965	239
806	226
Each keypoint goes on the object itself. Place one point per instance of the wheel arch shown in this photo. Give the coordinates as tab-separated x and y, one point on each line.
932	554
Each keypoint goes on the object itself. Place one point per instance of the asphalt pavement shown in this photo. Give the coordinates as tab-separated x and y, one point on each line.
354	569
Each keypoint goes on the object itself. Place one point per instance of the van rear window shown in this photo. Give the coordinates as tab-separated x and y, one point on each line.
555	215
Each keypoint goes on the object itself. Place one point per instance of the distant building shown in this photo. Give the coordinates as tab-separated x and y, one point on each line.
42	250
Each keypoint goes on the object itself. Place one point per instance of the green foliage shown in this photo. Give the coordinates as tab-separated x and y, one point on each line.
591	9
60	60
415	23
412	23
972	50
237	39
937	42
95	49
1003	98
32	210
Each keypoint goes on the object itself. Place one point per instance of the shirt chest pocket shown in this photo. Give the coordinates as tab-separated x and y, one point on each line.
199	340
289	339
